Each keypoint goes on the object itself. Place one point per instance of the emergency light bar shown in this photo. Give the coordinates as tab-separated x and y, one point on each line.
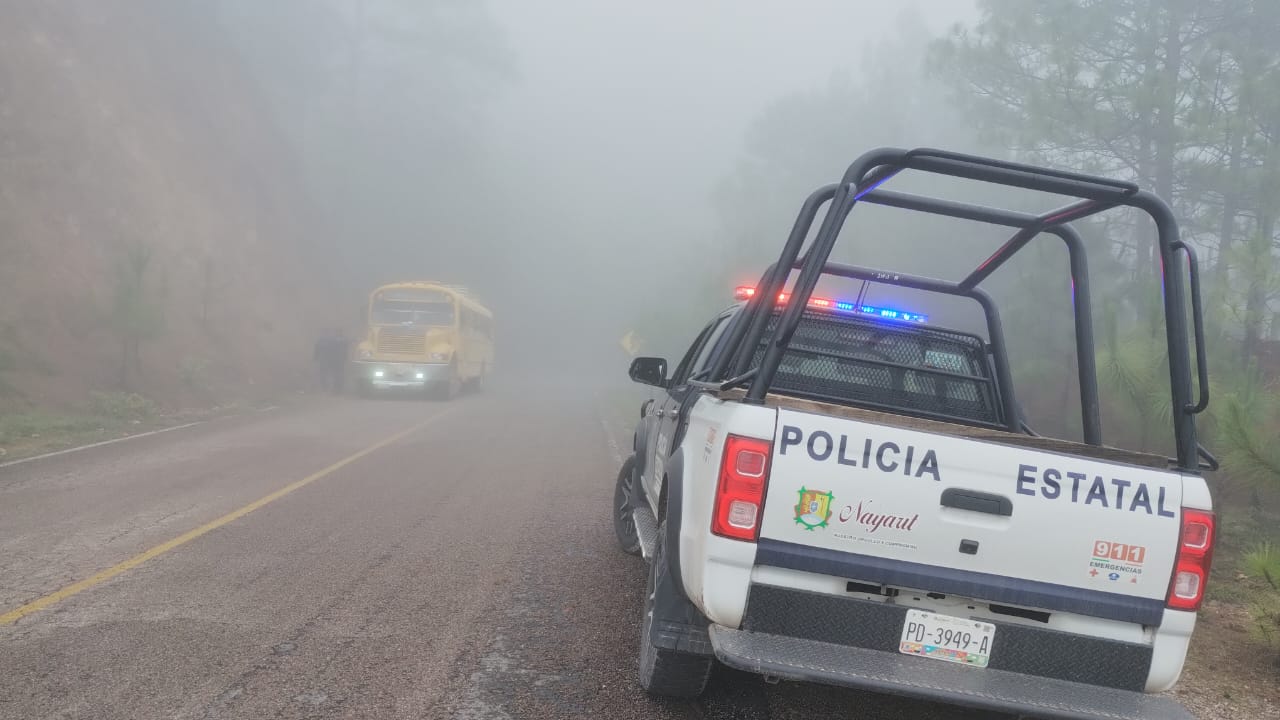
747	292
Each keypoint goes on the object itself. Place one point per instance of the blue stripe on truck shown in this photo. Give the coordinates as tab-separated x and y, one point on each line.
976	585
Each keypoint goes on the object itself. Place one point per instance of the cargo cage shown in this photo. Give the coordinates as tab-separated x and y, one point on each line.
743	363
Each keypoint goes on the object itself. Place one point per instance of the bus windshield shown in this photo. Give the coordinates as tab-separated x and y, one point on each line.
399	312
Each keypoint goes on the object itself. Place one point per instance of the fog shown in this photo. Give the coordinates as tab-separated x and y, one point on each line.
656	98
563	159
588	169
592	166
200	200
627	117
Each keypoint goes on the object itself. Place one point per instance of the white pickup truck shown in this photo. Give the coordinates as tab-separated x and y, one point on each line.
834	492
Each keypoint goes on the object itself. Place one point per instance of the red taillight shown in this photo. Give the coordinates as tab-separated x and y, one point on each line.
744	475
1195	553
750	463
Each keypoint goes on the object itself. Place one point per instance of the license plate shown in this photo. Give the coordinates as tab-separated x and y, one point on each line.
943	637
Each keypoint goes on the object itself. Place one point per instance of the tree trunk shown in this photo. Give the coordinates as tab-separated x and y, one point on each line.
1230	208
1256	300
1166	139
1148	158
1165	146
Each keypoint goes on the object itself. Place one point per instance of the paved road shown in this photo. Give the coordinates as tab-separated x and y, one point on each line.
464	569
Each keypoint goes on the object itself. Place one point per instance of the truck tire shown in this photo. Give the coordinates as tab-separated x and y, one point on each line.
663	672
624	523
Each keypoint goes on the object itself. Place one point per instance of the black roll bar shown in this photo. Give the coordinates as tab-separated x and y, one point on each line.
1197	318
771	283
1030	226
874	166
862	181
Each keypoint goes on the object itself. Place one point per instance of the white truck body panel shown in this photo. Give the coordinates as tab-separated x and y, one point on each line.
1169	649
716	570
1050	537
1076	521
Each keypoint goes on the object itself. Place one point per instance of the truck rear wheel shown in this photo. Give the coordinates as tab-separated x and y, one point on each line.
664	672
624	522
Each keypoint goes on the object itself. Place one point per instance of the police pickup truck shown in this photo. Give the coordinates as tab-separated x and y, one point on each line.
843	493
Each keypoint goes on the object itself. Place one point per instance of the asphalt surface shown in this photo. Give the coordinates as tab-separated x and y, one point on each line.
464	570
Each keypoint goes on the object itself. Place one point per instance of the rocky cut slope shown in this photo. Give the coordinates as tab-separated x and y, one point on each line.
144	194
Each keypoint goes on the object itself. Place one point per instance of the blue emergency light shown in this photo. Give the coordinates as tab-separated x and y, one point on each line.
746	293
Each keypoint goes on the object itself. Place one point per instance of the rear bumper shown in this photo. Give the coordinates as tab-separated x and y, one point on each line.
793	658
1026	649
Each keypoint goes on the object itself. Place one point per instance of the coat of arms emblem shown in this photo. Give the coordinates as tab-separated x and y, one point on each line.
814	509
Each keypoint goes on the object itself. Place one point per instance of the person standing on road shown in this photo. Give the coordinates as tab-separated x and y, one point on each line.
331	356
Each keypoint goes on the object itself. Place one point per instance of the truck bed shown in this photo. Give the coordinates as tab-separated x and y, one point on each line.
1055	445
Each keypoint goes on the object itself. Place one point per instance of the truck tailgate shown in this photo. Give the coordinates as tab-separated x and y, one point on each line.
1009	525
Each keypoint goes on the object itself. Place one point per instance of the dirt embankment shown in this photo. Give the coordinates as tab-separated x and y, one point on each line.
127	129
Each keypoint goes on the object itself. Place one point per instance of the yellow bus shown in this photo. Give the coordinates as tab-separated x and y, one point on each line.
425	336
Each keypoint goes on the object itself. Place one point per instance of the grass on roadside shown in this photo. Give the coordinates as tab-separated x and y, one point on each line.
32	433
110	415
1241	530
1246	570
1233	662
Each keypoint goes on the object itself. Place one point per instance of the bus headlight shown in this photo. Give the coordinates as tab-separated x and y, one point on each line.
377	373
422	376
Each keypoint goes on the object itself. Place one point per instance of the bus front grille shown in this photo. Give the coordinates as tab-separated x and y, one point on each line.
402	343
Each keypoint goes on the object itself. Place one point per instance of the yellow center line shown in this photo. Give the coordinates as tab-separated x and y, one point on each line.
133	562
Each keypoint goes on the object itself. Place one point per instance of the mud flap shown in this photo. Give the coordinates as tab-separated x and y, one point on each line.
677	624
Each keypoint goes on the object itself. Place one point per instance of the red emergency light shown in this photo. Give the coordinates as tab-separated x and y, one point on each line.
746	292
